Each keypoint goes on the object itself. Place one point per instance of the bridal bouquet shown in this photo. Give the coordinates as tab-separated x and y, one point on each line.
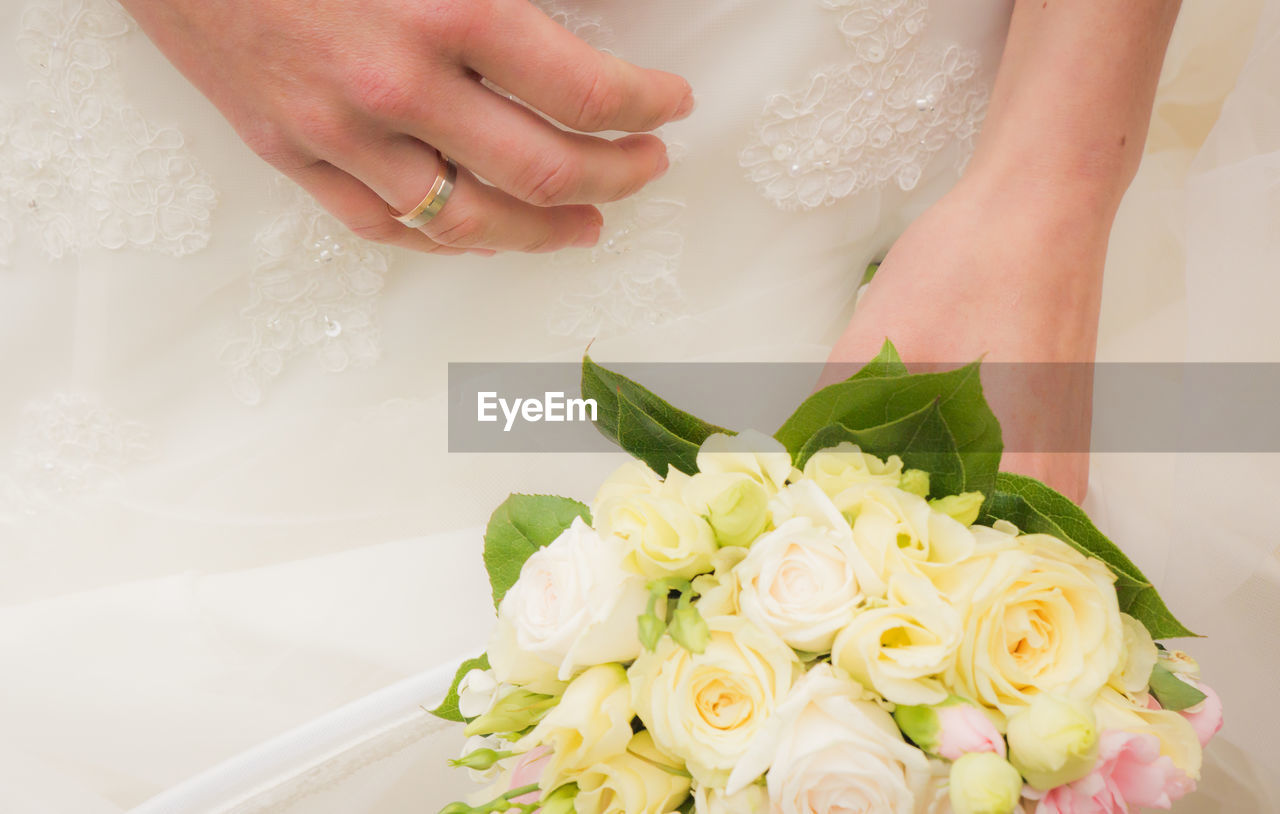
859	614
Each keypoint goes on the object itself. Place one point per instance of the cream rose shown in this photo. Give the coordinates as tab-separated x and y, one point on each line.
804	499
804	583
1140	656
751	453
898	531
836	469
573	606
900	650
641	780
591	724
754	799
662	536
1042	618
830	749
734	504
704	709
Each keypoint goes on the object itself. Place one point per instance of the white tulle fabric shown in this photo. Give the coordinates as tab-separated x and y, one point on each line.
227	508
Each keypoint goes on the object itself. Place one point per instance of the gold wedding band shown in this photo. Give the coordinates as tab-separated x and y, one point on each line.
431	205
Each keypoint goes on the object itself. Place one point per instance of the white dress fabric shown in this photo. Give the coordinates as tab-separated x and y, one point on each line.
236	558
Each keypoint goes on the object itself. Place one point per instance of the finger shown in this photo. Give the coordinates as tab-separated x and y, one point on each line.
532	56
361	210
526	156
402	170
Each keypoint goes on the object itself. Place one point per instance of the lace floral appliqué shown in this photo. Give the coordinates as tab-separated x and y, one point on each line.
79	166
876	121
68	444
629	279
314	288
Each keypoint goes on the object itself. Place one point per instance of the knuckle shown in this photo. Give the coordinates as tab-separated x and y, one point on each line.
551	181
378	231
462	228
270	143
383	95
601	104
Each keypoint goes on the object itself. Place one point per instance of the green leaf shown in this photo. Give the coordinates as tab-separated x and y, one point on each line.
448	710
642	423
1035	508
1172	692
886	364
921	439
520	526
966	428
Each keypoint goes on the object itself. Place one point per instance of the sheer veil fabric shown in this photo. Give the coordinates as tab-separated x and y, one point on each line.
237	556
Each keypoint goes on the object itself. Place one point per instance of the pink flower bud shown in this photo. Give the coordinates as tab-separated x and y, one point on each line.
1206	717
963	728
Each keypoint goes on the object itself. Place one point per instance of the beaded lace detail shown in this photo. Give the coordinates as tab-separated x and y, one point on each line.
628	279
79	166
314	288
69	444
877	120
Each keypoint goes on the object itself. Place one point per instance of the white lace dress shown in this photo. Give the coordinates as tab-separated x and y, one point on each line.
226	503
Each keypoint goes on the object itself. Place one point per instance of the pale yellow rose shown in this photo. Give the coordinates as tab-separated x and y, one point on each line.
985	783
1140	656
661	535
836	469
641	780
1178	739
1041	618
718	591
590	725
631	479
803	499
754	799
734	504
705	708
898	531
1054	741
751	453
900	650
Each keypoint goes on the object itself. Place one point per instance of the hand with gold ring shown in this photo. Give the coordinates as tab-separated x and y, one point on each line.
360	100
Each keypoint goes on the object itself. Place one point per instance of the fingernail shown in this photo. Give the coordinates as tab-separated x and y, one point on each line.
686	107
589	236
664	164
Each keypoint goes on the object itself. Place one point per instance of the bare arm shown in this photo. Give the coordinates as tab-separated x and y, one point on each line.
1009	263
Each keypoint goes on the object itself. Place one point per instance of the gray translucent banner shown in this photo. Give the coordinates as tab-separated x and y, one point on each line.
1209	407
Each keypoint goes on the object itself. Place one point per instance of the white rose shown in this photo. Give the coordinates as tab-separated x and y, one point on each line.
752	453
1042	618
573	606
898	531
804	583
836	469
477	691
900	650
705	708
829	746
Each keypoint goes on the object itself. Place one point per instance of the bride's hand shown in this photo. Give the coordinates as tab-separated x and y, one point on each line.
1014	275
344	97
